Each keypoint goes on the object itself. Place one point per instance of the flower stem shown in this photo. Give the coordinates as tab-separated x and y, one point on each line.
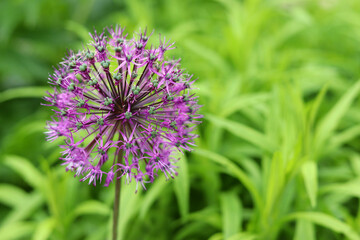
117	197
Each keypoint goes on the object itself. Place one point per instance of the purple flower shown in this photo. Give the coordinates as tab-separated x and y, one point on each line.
116	96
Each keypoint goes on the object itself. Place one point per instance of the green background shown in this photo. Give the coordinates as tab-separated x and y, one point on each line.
278	153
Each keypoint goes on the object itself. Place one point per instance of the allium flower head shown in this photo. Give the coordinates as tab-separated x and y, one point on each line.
119	96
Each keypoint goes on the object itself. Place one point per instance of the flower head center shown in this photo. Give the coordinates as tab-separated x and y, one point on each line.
128	115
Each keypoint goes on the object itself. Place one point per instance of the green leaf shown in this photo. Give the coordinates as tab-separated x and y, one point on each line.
26	170
234	170
11	195
355	163
25	92
208	215
250	166
275	182
92	207
313	111
231	210
217	236
16	230
242	102
309	172
182	185
25	209
350	188
244	132
344	137
331	120
304	230
208	54
243	236
237	236
44	229
129	205
234	13
189	230
327	221
152	194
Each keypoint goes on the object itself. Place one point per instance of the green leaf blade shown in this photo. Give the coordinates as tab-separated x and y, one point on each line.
231	212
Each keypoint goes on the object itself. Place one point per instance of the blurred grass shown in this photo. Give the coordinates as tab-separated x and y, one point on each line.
279	152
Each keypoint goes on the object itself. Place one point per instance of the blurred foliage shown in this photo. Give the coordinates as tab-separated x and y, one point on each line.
279	152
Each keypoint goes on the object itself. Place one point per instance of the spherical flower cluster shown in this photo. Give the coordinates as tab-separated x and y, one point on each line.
122	107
